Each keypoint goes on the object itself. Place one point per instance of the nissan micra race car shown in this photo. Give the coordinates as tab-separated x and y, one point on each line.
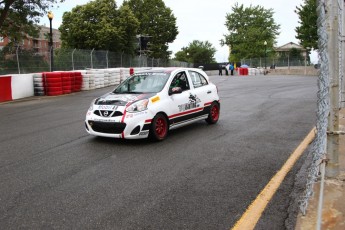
152	102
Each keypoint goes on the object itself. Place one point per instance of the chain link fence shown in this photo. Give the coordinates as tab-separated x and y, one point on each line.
331	78
23	61
319	145
273	62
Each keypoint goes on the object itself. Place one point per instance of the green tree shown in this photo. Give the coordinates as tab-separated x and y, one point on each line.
8	63
182	56
18	17
158	22
248	29
99	25
307	31
197	52
296	54
129	24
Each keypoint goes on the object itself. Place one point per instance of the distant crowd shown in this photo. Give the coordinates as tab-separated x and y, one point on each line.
229	67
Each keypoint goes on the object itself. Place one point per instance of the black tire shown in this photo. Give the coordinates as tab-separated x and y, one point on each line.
213	115
159	128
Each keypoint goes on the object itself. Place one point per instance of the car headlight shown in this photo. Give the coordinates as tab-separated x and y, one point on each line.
91	105
138	106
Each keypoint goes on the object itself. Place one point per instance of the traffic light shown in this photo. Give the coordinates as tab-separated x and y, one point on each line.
144	40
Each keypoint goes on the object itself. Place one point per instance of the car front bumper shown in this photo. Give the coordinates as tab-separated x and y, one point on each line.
128	126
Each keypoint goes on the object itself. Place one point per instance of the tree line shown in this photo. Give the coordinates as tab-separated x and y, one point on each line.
102	25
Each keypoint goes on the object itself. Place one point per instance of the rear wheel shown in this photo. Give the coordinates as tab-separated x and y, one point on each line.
159	128
213	115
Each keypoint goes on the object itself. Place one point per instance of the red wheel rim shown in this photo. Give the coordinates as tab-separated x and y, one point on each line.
215	113
161	127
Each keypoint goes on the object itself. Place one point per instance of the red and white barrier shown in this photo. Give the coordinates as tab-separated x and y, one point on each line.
19	86
16	86
5	88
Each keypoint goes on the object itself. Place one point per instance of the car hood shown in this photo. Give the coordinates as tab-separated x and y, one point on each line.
121	99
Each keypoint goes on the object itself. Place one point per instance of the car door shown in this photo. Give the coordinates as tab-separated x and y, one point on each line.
201	88
181	105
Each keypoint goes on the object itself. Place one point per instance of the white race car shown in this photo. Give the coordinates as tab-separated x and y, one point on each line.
152	102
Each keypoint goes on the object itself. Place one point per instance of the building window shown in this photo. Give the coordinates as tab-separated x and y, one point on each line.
1	39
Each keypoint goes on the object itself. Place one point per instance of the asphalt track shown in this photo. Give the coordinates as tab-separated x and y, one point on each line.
53	175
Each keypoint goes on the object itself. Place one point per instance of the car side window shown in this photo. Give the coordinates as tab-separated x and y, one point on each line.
198	80
180	80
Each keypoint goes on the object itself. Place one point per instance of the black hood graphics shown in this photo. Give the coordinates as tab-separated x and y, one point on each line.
121	99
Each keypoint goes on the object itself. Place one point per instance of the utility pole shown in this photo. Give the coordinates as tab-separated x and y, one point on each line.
51	44
342	92
265	44
332	27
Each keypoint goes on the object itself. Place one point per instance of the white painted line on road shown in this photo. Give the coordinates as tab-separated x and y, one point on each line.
253	213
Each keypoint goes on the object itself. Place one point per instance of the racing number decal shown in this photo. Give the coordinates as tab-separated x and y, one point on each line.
194	102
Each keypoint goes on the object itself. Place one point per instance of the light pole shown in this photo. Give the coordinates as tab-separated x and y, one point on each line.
305	60
265	43
51	16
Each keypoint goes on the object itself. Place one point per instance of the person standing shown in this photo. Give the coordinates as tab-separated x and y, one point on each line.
231	69
220	68
226	69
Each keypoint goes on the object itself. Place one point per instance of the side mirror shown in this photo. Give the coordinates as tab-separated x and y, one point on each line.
175	90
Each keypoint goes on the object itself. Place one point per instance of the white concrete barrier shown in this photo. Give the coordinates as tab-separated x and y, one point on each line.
22	86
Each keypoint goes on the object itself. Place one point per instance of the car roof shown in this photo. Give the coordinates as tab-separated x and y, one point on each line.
172	70
169	70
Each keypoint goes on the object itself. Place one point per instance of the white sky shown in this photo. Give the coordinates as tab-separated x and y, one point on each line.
204	20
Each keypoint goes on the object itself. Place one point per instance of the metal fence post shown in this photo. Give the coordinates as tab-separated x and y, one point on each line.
73	58
107	60
332	167
289	61
305	61
18	58
51	59
91	58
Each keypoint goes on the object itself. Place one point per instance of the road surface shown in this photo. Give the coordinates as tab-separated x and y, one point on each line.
53	175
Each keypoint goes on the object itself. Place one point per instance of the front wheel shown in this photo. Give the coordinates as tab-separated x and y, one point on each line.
213	115
159	128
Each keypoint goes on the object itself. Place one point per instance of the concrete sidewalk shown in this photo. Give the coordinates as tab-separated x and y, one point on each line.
333	212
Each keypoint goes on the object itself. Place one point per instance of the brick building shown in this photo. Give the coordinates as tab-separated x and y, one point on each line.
39	44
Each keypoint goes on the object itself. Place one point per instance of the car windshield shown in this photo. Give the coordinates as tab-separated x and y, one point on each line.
149	82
